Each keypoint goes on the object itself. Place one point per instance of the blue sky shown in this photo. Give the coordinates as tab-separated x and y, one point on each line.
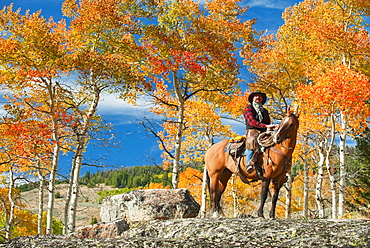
136	147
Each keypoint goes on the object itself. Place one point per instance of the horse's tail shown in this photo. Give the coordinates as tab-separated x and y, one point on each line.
208	179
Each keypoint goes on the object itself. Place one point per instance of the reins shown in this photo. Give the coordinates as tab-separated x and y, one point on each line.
267	140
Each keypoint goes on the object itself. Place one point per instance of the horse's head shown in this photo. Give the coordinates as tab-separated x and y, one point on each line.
288	127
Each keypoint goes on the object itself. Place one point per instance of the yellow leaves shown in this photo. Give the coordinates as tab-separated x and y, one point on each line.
100	40
69	7
26	222
199	51
240	197
98	16
237	103
202	123
228	8
30	40
8	45
317	55
324	30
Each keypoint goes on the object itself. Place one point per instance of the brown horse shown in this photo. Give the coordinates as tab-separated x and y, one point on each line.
276	163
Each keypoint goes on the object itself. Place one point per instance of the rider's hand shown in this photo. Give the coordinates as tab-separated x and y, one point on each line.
272	126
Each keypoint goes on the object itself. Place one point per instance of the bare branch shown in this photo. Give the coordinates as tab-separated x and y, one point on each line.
152	131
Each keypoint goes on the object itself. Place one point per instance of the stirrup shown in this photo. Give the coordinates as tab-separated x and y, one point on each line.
250	168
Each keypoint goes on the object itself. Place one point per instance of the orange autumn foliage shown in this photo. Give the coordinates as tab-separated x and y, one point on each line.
157	186
191	179
339	89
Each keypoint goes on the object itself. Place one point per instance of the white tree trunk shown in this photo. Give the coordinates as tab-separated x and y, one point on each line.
333	184
342	167
203	206
74	185
346	60
68	201
288	196
41	202
178	138
176	160
305	189
55	160
9	222
331	173
235	196
51	187
319	181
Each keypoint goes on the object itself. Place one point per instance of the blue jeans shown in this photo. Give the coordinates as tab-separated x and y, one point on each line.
248	154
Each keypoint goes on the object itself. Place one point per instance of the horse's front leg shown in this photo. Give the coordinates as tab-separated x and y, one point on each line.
264	191
277	186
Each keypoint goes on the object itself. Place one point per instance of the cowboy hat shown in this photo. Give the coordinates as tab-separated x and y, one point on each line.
264	98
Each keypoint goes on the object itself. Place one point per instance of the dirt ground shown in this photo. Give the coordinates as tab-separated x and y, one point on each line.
88	204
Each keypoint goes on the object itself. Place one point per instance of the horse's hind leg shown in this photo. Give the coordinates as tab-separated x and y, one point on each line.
225	176
214	194
217	188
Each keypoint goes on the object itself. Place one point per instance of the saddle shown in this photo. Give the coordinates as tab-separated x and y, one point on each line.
236	147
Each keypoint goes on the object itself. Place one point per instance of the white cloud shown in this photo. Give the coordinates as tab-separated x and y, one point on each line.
2	111
275	4
112	105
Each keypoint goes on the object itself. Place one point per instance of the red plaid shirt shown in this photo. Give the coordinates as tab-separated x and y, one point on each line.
251	118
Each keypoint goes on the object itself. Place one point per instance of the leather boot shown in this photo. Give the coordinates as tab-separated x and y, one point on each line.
253	163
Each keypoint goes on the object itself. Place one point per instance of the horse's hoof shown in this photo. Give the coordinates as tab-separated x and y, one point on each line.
261	216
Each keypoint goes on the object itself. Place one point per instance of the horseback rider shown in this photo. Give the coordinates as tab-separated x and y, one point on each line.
257	120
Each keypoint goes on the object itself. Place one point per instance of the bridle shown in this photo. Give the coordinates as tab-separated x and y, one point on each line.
281	127
268	138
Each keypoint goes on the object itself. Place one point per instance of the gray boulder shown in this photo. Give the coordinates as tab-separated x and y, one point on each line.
102	230
152	204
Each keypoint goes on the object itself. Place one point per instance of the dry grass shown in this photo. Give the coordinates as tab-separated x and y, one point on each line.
88	206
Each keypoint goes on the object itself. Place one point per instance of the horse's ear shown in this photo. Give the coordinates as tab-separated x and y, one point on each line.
288	112
297	112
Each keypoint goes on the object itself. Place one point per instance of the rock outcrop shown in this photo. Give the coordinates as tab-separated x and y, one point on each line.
223	233
163	218
153	204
